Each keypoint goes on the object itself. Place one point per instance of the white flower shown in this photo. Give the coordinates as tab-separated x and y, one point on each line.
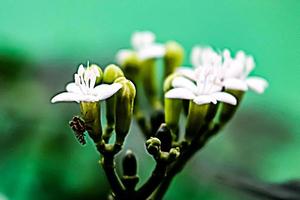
233	72
205	56
207	88
123	54
236	71
144	45
84	90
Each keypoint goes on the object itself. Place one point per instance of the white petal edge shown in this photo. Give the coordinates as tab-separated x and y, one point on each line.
205	99
180	93
257	84
196	56
187	72
151	51
181	82
72	87
104	91
66	97
225	97
235	84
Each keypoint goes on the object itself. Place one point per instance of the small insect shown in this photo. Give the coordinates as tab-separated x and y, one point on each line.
78	126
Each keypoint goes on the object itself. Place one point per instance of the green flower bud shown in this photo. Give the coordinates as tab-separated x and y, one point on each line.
153	145
129	164
173	57
130	178
124	108
198	119
111	73
173	154
227	110
164	135
99	78
91	115
172	115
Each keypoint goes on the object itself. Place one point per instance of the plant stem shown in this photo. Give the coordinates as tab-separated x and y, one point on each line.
108	165
153	182
181	162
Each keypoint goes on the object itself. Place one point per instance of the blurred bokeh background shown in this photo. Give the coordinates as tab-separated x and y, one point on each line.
42	43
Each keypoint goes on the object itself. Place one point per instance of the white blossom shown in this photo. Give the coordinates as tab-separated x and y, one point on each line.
144	45
233	72
205	89
83	88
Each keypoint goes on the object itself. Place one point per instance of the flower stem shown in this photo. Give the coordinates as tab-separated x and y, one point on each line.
153	182
181	162
108	165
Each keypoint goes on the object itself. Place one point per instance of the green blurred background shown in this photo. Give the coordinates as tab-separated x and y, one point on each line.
42	42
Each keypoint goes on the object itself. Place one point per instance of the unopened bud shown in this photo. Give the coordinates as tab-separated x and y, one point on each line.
111	73
153	145
165	137
129	164
124	108
173	154
173	57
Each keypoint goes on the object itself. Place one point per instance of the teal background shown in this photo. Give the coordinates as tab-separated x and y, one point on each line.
42	42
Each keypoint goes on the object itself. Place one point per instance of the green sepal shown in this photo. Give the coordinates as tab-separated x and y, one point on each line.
173	57
90	112
198	119
173	109
227	111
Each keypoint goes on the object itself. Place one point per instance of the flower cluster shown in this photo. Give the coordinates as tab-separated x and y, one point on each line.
209	94
213	72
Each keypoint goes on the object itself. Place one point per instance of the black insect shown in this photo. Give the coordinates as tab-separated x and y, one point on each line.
78	126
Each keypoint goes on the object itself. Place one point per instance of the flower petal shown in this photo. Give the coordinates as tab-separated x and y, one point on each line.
122	55
257	84
180	93
72	87
141	39
105	91
187	72
235	84
81	70
181	82
196	54
152	51
225	97
205	99
67	96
